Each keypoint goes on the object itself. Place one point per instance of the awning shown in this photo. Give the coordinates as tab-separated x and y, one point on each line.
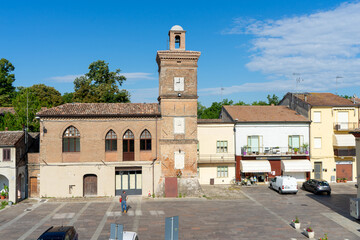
344	140
255	166
296	166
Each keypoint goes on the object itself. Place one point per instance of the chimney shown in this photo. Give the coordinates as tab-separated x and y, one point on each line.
272	104
305	98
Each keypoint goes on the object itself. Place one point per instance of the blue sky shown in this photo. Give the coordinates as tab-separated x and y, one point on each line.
249	48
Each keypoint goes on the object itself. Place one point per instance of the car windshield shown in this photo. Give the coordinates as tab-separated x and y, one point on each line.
323	183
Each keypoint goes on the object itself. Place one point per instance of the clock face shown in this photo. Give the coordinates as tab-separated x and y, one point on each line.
178	84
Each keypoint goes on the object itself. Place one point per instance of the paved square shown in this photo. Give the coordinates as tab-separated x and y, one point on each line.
227	212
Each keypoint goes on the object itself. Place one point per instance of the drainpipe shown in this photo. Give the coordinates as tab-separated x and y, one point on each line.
156	153
236	163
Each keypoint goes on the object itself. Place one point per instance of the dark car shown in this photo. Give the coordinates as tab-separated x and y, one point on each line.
60	233
317	186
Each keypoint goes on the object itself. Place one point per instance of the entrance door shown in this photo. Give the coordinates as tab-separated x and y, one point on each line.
129	181
90	185
344	171
343	120
318	170
33	187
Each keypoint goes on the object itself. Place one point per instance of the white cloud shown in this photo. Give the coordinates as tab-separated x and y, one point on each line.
65	79
135	76
319	46
139	75
148	95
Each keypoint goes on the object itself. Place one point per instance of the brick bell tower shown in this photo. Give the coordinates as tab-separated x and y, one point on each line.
178	103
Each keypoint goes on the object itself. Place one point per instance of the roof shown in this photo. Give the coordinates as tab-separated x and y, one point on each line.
211	121
264	114
325	99
102	110
10	138
4	110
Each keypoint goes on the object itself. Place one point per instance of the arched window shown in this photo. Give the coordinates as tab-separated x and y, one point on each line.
145	140
111	141
71	140
177	41
128	146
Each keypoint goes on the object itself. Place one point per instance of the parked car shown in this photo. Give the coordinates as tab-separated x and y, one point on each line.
59	233
284	184
128	236
317	186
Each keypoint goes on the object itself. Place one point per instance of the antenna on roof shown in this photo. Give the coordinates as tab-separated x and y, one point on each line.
298	80
336	84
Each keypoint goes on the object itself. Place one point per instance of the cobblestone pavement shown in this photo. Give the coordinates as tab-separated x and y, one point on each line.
227	212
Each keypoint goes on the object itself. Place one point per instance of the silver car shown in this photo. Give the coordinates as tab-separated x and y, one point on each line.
317	186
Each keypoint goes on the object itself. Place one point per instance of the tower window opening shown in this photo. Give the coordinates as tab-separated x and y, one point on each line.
177	41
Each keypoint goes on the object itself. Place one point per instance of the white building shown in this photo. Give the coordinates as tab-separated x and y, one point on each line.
270	141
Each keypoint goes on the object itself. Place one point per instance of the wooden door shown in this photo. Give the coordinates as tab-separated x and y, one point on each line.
171	188
33	187
90	185
128	146
344	171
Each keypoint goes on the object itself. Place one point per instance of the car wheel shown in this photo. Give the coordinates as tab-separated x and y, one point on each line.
280	191
329	193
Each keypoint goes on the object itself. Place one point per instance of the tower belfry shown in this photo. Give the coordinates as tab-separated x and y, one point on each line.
178	103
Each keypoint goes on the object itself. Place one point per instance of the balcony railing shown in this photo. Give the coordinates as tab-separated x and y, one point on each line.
345	152
216	158
274	151
345	126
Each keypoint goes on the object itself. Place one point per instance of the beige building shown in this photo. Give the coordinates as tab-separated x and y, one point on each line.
216	156
13	164
101	149
332	148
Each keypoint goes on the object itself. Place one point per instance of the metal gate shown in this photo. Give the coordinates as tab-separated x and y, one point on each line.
129	180
318	170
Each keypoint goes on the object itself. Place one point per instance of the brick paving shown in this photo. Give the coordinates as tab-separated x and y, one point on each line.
227	212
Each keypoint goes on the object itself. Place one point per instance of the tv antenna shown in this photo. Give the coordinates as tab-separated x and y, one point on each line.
298	80
336	83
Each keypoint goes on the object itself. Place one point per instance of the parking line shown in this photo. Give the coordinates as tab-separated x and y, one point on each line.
71	223
31	230
137	214
103	221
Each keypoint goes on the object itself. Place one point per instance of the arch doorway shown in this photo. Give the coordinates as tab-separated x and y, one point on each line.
90	185
3	181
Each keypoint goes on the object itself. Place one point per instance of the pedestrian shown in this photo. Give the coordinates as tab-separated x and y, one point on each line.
123	199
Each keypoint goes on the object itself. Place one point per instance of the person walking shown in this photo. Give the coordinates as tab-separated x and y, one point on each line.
123	202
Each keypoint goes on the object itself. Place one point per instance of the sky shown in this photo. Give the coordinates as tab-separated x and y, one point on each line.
249	48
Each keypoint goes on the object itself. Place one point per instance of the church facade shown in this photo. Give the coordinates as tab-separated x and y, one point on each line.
101	149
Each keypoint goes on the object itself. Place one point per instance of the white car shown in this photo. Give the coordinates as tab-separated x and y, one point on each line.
284	184
129	236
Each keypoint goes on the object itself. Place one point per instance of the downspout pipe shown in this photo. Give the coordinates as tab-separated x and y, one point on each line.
156	155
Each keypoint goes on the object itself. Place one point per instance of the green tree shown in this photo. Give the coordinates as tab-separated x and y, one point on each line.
273	99
47	96
200	109
213	112
259	103
100	85
68	97
6	80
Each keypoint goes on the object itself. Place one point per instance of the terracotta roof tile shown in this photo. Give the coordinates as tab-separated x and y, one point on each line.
325	99
10	138
102	109
4	110
204	121
264	114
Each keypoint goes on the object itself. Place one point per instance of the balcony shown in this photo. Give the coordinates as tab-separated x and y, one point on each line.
274	151
345	152
345	126
216	158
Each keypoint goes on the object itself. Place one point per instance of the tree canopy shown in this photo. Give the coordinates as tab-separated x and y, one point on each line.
6	80
100	85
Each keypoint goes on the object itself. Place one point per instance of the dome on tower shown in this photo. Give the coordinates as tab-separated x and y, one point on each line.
177	28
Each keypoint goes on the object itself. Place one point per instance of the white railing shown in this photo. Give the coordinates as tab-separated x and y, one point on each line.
274	151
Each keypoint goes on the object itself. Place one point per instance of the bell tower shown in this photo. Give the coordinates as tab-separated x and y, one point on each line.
178	104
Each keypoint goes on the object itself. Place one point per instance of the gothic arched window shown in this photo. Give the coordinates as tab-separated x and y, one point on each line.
71	140
145	140
111	141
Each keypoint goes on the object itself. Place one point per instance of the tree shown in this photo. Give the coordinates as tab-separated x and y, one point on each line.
273	99
68	97
47	96
259	103
100	85
200	109
213	112
6	80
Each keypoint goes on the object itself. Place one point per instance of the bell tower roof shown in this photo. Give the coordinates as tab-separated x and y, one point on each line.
176	28
176	38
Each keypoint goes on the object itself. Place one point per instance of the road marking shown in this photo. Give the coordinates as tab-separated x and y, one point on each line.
63	215
344	222
45	219
114	214
74	220
137	213
103	221
19	216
